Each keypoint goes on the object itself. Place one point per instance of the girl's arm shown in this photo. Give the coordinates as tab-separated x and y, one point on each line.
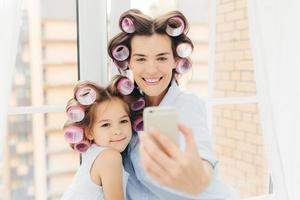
108	166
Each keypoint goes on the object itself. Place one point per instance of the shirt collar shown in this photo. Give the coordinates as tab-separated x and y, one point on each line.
171	95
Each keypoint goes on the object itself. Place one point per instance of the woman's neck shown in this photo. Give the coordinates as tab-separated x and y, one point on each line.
155	100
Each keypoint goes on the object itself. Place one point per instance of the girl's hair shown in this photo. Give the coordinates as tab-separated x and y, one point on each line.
102	94
147	26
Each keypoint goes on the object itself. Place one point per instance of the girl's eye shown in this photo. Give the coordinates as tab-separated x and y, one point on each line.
140	59
105	125
124	121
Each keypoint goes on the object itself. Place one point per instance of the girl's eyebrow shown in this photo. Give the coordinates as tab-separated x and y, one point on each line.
138	54
107	120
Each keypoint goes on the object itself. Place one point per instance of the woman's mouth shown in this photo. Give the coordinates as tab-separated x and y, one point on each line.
152	81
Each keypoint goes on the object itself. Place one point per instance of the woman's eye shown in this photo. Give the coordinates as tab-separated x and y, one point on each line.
105	125
124	121
162	58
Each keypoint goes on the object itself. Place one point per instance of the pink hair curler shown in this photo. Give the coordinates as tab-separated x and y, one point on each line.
138	124
120	53
75	113
122	65
86	95
184	50
82	146
173	29
138	104
73	134
183	65
125	86
127	25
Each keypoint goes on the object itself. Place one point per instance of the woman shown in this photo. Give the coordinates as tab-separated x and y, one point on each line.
157	52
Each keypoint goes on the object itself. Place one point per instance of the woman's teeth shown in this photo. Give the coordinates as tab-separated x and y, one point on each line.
151	80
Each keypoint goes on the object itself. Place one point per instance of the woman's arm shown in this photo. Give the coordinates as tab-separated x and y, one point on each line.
109	168
183	171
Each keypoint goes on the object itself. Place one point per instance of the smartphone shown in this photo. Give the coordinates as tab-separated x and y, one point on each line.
163	118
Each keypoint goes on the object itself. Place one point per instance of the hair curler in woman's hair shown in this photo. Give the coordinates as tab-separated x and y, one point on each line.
86	95
184	50
138	124
138	104
175	26
75	112
125	86
120	53
122	65
183	65
127	25
73	134
82	146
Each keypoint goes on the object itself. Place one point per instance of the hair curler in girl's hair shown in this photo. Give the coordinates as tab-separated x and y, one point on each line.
120	53
125	86
175	26
86	95
127	25
75	112
73	134
183	65
138	124
184	50
138	104
82	146
122	65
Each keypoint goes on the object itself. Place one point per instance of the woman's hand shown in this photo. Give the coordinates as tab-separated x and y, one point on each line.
164	162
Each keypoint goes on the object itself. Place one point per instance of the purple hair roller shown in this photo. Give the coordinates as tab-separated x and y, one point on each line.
173	30
75	113
138	124
86	95
183	65
138	104
127	25
120	53
184	50
82	146
122	65
125	86
73	134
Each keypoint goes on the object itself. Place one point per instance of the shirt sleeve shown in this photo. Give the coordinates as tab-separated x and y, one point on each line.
193	114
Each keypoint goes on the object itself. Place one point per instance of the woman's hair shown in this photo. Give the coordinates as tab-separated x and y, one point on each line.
147	26
102	94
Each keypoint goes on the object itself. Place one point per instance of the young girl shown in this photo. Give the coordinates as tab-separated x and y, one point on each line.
99	127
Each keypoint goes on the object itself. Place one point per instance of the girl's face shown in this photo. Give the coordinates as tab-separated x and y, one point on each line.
112	127
152	62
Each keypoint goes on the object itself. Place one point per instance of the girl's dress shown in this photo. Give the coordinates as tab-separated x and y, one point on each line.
82	186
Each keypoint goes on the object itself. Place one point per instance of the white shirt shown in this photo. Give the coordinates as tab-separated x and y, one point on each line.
192	113
82	186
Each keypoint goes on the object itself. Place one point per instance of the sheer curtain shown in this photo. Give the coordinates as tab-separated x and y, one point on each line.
10	18
275	39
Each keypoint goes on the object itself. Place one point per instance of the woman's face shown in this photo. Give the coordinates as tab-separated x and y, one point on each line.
152	62
112	127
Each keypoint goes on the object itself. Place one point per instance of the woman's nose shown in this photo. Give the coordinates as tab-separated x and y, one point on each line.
152	67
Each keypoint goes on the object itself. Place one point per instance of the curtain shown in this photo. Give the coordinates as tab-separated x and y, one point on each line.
10	18
275	39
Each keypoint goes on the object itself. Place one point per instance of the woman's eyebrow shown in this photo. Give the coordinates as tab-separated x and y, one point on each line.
162	54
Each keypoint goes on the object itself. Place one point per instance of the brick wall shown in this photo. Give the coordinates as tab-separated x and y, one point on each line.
236	128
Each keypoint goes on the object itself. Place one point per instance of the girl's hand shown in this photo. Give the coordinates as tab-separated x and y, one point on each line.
164	162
